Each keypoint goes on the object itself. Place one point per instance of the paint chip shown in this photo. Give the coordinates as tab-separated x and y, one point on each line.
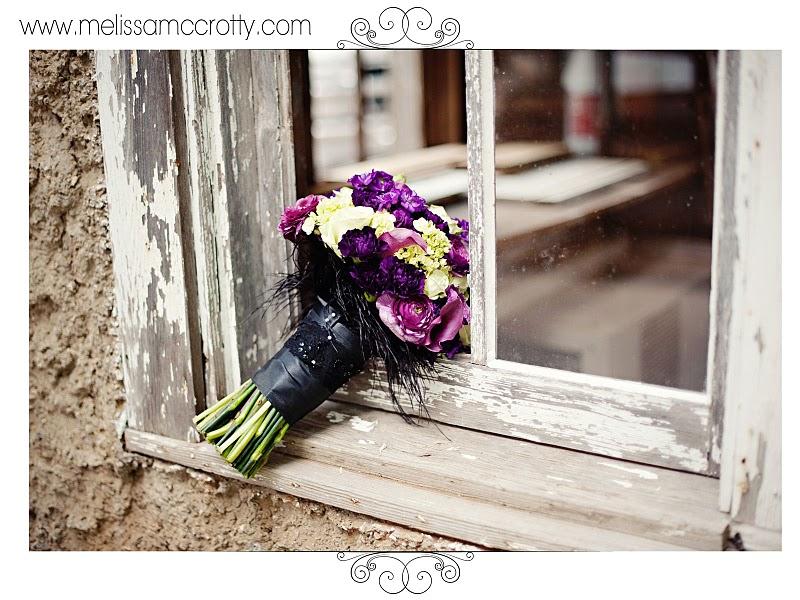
360	424
643	473
336	417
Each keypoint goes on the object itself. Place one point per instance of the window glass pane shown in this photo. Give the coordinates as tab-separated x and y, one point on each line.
401	111
604	210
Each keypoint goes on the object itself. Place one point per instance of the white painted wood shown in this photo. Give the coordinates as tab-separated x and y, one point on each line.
242	174
724	246
756	538
750	469
208	202
481	167
152	274
483	489
622	419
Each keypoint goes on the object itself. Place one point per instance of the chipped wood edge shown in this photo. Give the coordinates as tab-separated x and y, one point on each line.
480	190
724	247
480	522
633	421
632	498
241	170
750	466
208	200
138	127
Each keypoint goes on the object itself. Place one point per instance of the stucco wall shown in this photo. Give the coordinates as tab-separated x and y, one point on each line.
86	492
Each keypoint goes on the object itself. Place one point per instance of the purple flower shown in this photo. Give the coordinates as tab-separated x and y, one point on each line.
291	222
369	277
446	326
400	237
402	218
378	181
375	189
401	278
440	223
458	256
409	201
453	347
410	319
464	224
361	244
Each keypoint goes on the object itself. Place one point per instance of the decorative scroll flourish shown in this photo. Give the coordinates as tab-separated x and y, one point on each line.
413	25
398	571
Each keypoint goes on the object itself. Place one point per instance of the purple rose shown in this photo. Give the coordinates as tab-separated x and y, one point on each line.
402	218
409	201
361	244
410	319
400	237
446	326
458	256
401	278
291	223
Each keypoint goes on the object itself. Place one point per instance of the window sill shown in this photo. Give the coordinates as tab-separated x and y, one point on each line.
481	488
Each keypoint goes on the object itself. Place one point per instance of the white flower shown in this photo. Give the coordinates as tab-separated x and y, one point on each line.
309	224
439	211
436	284
344	193
341	221
382	221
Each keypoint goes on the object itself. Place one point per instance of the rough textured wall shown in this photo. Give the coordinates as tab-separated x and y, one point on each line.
86	492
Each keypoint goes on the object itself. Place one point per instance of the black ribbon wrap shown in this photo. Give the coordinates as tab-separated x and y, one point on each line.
319	357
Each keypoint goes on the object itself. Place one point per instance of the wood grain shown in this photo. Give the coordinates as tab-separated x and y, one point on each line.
750	466
480	191
511	495
152	274
242	175
621	419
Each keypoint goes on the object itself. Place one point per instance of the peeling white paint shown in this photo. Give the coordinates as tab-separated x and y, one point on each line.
643	473
625	484
469	456
360	424
336	417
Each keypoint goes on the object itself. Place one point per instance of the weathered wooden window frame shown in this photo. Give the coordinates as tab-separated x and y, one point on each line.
196	143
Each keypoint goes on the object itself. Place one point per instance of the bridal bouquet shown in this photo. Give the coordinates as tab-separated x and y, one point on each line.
389	274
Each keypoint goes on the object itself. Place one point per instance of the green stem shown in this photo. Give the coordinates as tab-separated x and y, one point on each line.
242	429
243	441
223	415
222	403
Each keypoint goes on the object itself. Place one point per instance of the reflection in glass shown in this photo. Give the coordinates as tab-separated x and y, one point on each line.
604	208
401	111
